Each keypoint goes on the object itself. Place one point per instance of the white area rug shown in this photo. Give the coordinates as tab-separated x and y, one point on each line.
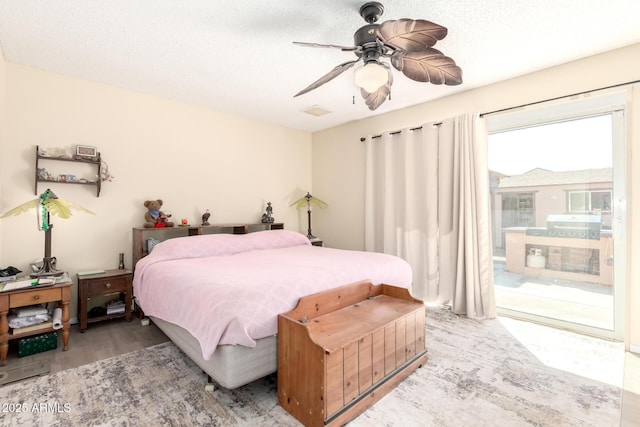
493	373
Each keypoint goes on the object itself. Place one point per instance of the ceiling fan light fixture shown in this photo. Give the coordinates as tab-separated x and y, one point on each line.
408	46
371	76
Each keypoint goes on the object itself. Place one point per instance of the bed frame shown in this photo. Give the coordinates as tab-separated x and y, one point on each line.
231	366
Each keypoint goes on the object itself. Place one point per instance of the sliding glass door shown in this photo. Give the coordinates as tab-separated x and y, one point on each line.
558	210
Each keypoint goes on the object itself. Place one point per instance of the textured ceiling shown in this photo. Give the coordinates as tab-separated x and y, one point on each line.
238	57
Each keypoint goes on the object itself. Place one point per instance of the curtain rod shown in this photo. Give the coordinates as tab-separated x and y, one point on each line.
395	132
523	105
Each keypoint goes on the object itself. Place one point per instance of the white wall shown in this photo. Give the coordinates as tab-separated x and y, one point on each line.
338	154
192	158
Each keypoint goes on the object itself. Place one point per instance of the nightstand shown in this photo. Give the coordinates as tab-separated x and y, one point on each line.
60	292
316	242
111	282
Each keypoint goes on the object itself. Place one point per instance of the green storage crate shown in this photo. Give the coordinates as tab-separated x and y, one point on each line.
37	344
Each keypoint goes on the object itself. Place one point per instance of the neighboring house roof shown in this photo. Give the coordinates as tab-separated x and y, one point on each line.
538	177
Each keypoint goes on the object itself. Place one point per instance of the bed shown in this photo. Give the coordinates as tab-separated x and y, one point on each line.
217	297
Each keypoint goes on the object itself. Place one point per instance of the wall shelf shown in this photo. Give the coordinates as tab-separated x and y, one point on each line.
38	178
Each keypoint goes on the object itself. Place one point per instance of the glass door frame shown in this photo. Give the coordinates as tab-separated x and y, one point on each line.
612	102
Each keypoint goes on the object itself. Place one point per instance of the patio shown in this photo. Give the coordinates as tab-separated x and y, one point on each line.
584	303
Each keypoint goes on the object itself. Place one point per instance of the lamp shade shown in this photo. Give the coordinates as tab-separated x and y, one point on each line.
47	203
371	76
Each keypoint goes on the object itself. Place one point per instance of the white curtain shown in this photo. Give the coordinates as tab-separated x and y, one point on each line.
427	201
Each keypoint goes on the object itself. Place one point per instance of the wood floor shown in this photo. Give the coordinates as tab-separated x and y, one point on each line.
108	339
100	341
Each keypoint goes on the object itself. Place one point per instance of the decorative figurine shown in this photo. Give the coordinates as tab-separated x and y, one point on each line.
104	172
154	217
44	174
267	216
205	217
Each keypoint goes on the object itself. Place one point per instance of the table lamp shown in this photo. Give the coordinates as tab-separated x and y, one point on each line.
47	204
309	200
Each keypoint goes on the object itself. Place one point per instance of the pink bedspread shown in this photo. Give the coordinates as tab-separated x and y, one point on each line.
229	289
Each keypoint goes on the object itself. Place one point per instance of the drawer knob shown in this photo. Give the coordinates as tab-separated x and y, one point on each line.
108	285
36	297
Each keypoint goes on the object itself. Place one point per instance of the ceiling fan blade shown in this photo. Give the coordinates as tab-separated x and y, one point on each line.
377	98
411	35
339	69
343	48
429	65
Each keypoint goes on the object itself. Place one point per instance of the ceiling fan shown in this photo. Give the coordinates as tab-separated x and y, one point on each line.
408	45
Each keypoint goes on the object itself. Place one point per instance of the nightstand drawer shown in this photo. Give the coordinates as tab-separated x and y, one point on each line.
106	286
34	297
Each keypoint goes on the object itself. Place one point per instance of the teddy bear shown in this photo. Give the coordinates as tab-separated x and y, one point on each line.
154	217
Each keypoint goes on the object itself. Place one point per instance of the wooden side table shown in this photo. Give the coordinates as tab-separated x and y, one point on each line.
60	292
108	283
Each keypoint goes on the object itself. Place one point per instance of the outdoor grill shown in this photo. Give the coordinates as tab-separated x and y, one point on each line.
574	226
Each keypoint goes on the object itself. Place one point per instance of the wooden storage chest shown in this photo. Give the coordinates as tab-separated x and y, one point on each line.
341	350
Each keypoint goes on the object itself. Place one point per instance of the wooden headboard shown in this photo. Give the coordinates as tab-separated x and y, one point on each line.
142	235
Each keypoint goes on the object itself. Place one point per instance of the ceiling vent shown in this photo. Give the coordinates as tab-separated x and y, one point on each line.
316	110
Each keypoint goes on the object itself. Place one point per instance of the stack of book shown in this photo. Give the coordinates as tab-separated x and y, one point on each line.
39	326
115	307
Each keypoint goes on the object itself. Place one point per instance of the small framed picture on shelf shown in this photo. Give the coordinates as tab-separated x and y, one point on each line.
86	152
